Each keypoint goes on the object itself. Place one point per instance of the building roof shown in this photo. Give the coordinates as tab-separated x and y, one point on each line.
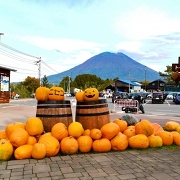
2	67
131	82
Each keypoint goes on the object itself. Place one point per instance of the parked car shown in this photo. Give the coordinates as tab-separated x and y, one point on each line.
157	97
177	98
119	95
67	94
171	95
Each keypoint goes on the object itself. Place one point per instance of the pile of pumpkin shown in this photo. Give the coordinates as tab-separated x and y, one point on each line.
22	141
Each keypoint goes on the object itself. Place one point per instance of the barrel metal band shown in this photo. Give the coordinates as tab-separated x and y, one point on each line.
53	115
93	114
92	107
53	106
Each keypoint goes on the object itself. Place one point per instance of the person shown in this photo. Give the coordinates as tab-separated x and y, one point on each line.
13	95
139	99
16	96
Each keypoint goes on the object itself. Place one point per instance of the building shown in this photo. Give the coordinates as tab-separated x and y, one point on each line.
5	93
156	85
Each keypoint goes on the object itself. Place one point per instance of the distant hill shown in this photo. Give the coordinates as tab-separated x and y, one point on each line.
109	65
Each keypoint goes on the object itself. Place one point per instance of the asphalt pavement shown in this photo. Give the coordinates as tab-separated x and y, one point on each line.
159	164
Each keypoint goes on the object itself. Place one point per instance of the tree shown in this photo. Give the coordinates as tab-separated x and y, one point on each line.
45	82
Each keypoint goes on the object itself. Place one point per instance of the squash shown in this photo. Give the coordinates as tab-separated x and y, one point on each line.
155	141
84	143
80	96
130	119
6	150
34	126
167	137
51	143
144	127
157	128
41	93
3	134
139	141
32	140
19	137
129	132
176	140
56	94
59	131
95	133
23	152
75	129
69	145
102	145
110	130
39	151
119	142
171	125
86	132
91	94
121	123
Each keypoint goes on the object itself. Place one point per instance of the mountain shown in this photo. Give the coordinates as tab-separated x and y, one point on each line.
109	65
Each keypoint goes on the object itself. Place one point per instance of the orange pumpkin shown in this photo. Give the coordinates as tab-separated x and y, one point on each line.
34	126
171	125
91	94
23	152
86	132
139	141
157	128
178	129
84	143
51	143
32	140
3	134
102	145
167	137
129	132
6	150
42	93
80	96
19	137
56	94
12	126
119	142
110	130
59	131
39	151
69	145
75	129
95	133
144	127
174	133
176	140
155	141
121	123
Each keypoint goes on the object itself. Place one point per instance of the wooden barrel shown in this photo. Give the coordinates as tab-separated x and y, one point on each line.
52	112
92	114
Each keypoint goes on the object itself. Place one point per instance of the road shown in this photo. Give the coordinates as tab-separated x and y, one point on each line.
22	109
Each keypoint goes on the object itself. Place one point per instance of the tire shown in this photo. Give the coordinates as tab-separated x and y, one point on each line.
126	110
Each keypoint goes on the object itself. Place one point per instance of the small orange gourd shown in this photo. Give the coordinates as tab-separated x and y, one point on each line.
84	143
80	96
167	137
155	141
102	145
6	150
75	129
41	93
39	151
122	124
95	133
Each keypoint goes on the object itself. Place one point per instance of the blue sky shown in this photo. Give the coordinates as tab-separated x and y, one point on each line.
65	33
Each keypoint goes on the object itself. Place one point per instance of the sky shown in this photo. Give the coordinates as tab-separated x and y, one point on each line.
66	33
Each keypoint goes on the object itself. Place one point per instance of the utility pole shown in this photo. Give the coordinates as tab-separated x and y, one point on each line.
39	70
145	78
129	81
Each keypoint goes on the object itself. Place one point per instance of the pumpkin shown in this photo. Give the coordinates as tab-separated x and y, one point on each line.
19	137
6	150
155	141
84	143
95	133
59	131
144	127
75	129
3	134
12	126
139	141
176	140
23	152
91	94
129	132
34	126
101	145
39	151
119	142
80	96
69	145
171	125
157	128
32	140
51	143
86	132
167	137
178	129
56	94
121	123
41	93
174	133
109	130
130	119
